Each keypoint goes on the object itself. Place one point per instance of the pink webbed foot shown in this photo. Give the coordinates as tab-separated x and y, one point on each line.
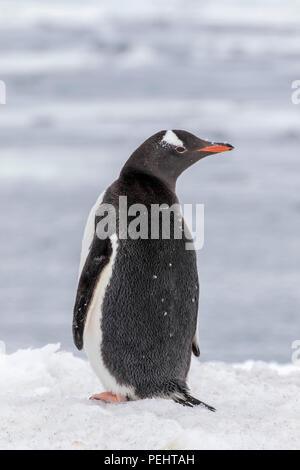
108	397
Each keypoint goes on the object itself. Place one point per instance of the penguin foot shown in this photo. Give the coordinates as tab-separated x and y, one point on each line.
108	397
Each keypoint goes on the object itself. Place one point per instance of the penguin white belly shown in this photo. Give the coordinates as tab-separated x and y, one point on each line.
92	335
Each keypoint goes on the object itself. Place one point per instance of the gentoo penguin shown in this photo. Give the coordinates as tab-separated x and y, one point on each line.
137	300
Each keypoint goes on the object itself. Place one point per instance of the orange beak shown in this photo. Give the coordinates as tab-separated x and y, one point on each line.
216	148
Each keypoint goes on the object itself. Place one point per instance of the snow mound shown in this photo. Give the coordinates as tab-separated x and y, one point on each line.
44	405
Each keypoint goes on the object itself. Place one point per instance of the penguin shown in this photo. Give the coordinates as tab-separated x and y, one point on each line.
136	306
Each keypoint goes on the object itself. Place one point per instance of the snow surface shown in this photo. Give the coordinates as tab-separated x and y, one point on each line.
44	405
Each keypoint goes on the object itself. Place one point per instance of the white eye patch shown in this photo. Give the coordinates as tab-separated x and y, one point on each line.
171	138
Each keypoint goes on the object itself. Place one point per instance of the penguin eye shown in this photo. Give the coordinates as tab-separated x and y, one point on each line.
180	149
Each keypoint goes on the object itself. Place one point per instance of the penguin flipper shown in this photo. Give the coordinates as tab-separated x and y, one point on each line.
99	255
89	232
195	344
195	347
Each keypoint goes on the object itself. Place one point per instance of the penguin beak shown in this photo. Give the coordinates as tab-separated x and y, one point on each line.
216	148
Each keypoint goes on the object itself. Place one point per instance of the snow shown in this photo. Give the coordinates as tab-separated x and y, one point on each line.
44	405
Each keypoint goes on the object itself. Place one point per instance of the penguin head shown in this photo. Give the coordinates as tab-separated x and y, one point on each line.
168	153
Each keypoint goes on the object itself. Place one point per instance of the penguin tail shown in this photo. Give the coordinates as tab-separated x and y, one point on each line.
180	394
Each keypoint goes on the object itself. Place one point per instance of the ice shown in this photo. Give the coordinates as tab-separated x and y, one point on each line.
88	83
44	405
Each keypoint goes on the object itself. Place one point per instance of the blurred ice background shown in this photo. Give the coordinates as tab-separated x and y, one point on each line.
87	82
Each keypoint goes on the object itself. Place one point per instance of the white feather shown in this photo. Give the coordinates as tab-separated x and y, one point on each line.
172	139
